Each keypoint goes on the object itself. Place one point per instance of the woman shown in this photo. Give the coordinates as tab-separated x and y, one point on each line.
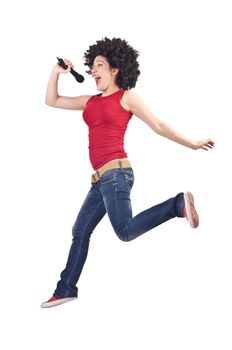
113	64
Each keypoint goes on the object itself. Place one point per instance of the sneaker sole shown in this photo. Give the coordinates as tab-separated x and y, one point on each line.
56	302
191	212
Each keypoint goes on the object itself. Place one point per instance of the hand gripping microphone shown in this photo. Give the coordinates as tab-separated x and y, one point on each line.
78	77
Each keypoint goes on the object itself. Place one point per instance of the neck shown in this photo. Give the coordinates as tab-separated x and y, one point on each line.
110	90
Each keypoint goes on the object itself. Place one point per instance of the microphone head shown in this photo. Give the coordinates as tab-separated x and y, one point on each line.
79	78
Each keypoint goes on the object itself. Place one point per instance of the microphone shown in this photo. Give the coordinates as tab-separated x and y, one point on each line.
78	77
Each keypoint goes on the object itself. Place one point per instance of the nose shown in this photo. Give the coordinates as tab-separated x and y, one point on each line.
93	70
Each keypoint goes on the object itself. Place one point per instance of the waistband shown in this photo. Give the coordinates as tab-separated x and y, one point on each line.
113	164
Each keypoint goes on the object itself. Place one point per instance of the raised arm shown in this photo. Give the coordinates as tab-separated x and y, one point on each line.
135	104
54	100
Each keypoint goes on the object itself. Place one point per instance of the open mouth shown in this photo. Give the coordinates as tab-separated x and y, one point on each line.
97	79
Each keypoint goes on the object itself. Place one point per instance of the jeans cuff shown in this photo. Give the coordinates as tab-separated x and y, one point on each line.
180	204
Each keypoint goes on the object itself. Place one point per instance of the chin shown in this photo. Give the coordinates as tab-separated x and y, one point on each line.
99	88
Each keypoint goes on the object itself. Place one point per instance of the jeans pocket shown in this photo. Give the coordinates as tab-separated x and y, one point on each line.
127	178
108	177
129	175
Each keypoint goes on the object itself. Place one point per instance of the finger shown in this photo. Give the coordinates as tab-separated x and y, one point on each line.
67	70
207	146
67	62
210	142
68	67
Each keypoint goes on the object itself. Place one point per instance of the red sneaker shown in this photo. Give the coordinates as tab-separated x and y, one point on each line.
53	301
190	211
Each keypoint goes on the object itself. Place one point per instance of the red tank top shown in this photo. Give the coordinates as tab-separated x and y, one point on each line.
107	121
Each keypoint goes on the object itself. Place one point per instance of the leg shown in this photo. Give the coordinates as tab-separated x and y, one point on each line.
91	212
115	186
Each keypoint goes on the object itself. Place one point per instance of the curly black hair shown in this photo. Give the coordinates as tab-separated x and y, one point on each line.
120	55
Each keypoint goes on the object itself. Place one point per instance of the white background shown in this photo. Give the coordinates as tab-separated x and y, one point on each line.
171	287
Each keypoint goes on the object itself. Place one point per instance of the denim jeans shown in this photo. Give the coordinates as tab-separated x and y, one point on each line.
111	194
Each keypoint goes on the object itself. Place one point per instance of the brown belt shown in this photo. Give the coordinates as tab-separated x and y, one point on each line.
113	164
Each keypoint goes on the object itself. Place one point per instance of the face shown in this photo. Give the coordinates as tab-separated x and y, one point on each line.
103	74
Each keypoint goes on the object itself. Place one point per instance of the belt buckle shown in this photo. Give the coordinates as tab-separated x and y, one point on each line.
94	178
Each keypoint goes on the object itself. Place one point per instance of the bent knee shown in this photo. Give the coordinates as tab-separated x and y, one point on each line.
123	237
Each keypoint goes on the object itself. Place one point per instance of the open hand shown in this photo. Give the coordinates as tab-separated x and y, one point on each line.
204	144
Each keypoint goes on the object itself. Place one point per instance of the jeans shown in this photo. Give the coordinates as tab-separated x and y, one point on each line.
111	194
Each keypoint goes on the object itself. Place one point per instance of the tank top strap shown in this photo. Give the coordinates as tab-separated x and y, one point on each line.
121	92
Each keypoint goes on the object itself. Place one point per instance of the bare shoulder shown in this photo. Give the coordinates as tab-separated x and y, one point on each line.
129	96
130	100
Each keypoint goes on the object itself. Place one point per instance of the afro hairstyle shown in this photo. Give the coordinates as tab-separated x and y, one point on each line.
120	55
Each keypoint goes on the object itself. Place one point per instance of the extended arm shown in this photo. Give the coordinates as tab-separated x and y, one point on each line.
136	105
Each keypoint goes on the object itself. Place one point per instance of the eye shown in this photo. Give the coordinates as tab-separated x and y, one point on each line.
96	65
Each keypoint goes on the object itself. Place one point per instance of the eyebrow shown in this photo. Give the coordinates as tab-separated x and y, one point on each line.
99	61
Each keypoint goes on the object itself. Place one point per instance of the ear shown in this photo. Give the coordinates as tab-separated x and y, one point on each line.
114	71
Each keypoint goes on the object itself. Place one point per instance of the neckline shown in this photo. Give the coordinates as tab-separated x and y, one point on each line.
113	93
